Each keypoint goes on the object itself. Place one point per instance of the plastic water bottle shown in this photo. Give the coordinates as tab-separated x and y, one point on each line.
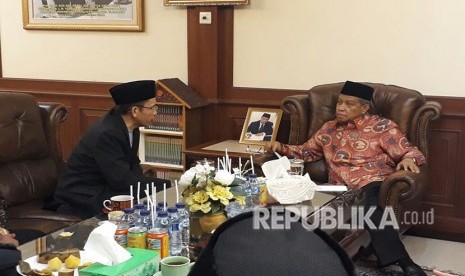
184	225
129	217
144	219
255	189
248	194
138	208
246	187
175	235
162	221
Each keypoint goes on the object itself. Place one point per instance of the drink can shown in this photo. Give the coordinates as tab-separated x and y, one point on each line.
263	194
137	237
157	240
121	235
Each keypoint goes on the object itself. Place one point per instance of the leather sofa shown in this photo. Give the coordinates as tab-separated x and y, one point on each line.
30	161
408	108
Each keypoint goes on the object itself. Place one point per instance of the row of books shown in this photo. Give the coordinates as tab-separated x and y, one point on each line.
163	150
168	118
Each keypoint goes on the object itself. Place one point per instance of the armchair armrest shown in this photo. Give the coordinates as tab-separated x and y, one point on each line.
423	116
298	107
402	186
53	115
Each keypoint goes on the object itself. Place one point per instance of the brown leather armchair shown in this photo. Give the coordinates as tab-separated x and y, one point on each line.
30	161
408	108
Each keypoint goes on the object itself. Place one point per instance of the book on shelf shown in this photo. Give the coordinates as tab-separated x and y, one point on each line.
165	150
168	118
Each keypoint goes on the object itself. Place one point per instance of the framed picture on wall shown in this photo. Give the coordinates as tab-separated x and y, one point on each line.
83	15
204	2
261	125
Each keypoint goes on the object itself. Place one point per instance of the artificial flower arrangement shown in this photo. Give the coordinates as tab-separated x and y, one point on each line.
208	190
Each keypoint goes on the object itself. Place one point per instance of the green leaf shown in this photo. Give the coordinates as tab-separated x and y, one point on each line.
216	206
237	191
237	181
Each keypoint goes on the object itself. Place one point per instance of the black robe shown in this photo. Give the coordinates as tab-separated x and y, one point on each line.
101	166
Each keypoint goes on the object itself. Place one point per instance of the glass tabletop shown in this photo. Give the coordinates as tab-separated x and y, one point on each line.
81	230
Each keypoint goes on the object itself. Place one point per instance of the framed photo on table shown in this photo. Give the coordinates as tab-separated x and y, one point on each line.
83	15
261	125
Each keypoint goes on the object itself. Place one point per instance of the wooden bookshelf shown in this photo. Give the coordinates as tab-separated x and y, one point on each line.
177	126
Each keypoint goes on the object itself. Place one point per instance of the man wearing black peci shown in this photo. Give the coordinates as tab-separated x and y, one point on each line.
105	162
361	150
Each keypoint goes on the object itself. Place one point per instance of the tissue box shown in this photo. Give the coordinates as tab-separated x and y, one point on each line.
142	263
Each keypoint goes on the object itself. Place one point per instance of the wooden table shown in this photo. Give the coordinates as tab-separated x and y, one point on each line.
216	148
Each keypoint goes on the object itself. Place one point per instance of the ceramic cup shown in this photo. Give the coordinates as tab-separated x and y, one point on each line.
175	266
118	203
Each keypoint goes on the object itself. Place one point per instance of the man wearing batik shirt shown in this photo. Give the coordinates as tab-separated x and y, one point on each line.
360	151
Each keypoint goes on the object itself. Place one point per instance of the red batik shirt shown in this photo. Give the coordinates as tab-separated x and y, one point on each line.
358	152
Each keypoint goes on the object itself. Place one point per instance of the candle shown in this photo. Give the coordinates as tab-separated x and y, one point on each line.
132	196
177	190
240	166
164	196
154	191
138	192
251	164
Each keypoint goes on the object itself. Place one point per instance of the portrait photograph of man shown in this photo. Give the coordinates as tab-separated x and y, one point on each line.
261	125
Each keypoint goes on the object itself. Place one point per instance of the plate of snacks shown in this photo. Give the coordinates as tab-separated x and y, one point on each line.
55	263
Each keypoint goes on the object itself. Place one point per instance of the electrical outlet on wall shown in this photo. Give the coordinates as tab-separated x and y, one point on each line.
205	17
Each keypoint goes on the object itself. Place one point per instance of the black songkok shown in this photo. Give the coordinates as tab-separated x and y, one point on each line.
358	90
133	92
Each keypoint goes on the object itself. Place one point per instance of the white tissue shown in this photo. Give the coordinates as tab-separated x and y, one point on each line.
101	246
292	189
275	169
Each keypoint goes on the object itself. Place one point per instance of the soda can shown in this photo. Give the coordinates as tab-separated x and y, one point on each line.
263	194
137	237
157	240
121	235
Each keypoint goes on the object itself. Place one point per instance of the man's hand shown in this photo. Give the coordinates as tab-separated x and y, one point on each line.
408	164
9	239
271	147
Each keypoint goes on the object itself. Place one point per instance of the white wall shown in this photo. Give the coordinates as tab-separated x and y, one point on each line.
158	52
419	44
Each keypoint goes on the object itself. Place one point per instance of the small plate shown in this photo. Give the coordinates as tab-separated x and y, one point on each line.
36	265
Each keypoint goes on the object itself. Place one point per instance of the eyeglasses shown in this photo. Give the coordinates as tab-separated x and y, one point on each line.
153	108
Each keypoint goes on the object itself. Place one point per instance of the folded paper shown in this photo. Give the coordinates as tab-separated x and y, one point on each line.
331	188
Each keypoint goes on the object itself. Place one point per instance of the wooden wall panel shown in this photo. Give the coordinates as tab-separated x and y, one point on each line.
210	68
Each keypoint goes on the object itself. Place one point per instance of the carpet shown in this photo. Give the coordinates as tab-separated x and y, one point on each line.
367	267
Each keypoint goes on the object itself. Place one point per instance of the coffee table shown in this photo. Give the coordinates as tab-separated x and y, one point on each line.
82	229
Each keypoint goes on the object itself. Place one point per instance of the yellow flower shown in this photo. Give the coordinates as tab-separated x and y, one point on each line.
202	207
200	197
220	193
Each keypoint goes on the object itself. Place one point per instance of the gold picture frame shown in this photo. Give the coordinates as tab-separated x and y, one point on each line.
204	2
84	15
261	125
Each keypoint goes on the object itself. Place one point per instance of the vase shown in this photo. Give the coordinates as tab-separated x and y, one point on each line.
210	222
